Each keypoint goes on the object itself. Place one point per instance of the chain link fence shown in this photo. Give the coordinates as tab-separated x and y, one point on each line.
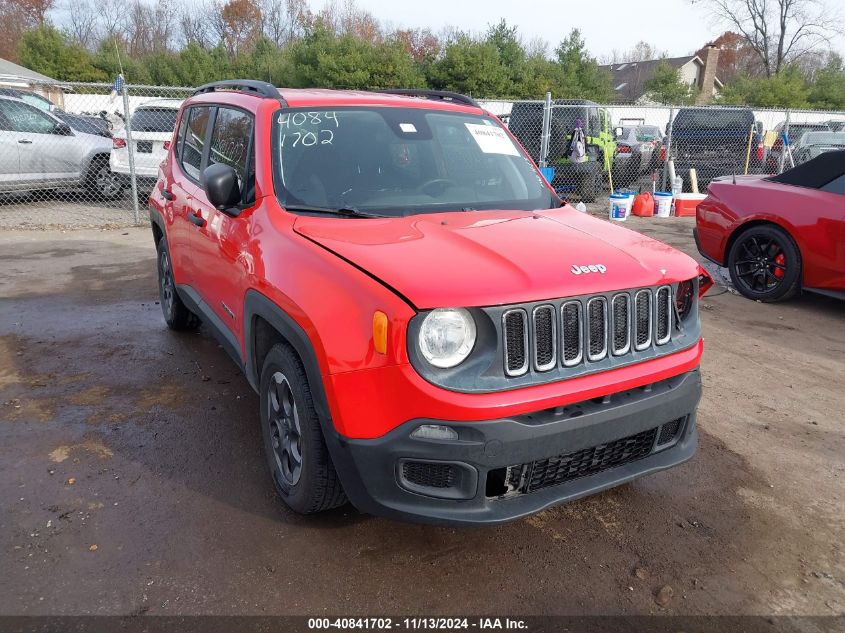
588	150
82	154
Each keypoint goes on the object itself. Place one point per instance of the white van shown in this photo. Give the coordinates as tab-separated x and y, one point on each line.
152	126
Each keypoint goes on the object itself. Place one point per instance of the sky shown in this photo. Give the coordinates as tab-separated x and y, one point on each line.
674	26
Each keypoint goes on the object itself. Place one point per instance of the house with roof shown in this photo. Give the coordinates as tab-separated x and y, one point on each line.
21	78
699	71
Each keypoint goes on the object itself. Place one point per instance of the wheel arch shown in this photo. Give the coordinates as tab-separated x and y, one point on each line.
265	325
735	233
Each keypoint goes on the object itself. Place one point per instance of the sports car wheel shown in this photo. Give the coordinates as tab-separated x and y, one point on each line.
765	264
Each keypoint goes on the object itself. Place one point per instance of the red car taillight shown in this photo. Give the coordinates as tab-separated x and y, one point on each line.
663	153
167	145
761	152
118	143
623	149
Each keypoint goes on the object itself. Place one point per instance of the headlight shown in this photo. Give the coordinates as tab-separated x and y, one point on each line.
447	336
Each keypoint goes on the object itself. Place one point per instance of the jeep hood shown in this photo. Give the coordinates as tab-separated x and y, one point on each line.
483	258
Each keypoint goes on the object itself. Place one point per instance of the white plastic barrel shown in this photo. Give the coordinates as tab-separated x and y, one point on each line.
663	204
620	207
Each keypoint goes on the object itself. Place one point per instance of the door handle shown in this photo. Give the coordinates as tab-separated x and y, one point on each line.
196	219
168	195
25	141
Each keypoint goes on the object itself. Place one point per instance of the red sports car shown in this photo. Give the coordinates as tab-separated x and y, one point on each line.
779	234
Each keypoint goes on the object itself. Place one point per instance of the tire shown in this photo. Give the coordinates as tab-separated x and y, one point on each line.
101	183
765	264
176	314
291	431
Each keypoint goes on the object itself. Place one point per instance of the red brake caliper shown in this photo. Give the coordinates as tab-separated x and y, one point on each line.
780	260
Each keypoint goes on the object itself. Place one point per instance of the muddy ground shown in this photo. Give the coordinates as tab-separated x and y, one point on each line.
132	478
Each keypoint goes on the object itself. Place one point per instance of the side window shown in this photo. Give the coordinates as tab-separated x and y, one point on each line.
25	118
231	142
837	185
194	141
180	136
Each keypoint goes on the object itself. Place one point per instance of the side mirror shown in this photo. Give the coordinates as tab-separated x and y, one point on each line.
62	129
220	182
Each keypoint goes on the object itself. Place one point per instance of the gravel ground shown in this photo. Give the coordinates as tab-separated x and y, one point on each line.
132	478
66	210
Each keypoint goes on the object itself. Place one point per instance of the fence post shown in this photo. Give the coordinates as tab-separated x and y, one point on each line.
131	151
546	132
668	151
787	146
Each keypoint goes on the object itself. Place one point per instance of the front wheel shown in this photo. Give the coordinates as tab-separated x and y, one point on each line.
299	461
765	264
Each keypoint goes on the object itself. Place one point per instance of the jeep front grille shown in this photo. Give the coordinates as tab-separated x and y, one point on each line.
516	342
579	332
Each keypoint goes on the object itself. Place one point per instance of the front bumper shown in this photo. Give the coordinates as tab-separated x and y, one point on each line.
504	469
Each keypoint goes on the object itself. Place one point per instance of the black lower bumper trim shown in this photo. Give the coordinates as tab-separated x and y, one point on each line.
590	431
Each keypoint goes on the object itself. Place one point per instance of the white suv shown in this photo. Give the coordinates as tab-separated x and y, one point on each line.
152	127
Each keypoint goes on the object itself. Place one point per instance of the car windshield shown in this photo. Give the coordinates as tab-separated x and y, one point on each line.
648	133
153	120
400	161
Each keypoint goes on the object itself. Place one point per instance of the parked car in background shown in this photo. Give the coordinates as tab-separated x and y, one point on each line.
32	98
714	142
84	123
585	178
836	125
816	143
775	159
151	125
634	155
654	134
779	234
40	151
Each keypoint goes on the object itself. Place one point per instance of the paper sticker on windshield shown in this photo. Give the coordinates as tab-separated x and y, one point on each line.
408	128
492	139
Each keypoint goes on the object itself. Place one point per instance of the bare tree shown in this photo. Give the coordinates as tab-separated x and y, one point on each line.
196	27
82	22
113	17
780	32
284	20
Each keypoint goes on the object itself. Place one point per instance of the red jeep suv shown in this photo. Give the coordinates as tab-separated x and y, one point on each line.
433	334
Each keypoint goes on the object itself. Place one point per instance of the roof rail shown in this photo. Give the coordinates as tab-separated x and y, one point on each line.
260	88
439	95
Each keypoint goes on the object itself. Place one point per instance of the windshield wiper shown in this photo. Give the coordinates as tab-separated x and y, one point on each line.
347	211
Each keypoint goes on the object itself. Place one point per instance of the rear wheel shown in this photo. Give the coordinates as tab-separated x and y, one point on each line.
765	264
299	460
102	183
176	314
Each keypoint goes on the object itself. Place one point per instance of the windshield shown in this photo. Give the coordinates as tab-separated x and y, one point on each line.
648	133
153	120
400	161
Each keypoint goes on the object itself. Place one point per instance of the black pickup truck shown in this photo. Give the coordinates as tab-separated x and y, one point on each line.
715	142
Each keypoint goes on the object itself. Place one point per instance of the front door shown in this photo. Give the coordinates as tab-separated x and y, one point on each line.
219	245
